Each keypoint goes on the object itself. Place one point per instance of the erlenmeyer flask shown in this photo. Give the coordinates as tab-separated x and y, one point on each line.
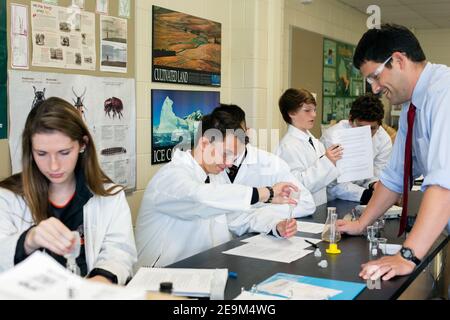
330	233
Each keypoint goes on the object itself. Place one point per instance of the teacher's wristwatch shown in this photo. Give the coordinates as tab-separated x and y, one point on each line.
408	254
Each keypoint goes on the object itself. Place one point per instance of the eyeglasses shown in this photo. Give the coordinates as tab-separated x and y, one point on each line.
371	78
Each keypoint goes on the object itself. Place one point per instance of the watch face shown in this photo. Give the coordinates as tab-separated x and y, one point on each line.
407	253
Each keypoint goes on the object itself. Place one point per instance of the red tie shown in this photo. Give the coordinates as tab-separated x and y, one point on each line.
407	172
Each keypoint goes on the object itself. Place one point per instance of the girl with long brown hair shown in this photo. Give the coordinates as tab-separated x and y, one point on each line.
62	189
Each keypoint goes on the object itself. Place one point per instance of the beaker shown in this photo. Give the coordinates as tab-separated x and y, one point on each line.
330	233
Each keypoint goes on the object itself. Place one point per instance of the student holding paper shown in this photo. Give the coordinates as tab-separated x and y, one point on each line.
256	167
185	212
62	189
393	62
312	164
365	111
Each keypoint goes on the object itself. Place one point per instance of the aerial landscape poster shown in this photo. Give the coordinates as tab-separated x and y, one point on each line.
186	49
175	119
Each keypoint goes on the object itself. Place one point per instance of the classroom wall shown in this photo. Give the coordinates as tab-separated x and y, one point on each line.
251	68
329	18
436	44
255	63
5	160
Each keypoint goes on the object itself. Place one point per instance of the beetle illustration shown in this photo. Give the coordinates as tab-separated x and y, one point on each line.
115	106
39	96
79	103
113	151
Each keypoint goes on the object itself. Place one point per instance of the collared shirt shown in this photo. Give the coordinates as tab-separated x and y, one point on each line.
431	133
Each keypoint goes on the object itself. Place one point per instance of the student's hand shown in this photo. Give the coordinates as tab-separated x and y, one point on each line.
387	268
350	227
287	228
282	191
100	279
334	153
50	234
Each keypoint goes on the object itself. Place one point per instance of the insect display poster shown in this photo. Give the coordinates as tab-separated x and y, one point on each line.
107	105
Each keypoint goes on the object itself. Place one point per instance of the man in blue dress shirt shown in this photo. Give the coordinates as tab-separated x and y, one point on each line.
393	63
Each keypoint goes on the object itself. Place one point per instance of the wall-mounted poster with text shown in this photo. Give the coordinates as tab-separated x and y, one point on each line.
107	105
176	115
342	82
186	49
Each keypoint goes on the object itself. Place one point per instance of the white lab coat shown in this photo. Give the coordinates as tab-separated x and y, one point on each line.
352	191
181	215
108	232
261	168
310	166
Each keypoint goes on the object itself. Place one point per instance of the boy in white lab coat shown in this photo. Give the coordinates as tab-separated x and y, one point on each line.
184	213
365	111
310	163
256	167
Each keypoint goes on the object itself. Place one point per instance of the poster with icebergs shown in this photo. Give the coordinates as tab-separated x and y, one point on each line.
176	115
106	104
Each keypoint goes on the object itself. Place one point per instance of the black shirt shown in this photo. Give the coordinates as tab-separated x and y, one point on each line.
71	215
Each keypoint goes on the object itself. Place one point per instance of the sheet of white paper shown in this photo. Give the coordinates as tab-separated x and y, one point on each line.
251	250
189	282
297	291
391	213
357	159
310	227
101	6
246	295
392	249
41	277
19	36
293	243
124	8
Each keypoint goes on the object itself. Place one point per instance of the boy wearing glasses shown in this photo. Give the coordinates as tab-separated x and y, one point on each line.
365	111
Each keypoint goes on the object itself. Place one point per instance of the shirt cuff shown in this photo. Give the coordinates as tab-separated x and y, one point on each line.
274	232
255	196
104	273
20	254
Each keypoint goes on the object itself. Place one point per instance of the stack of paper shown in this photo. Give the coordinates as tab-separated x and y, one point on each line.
296	287
293	243
251	250
274	249
40	277
186	282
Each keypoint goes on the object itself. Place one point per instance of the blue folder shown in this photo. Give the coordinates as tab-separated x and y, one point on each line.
350	290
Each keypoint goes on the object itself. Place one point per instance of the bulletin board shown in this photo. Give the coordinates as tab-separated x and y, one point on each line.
104	94
3	73
342	82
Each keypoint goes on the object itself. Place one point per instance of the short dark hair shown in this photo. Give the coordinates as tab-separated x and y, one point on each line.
237	113
367	108
292	100
378	44
220	121
232	109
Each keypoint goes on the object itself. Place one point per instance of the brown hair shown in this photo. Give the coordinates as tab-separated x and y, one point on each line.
55	114
292	100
